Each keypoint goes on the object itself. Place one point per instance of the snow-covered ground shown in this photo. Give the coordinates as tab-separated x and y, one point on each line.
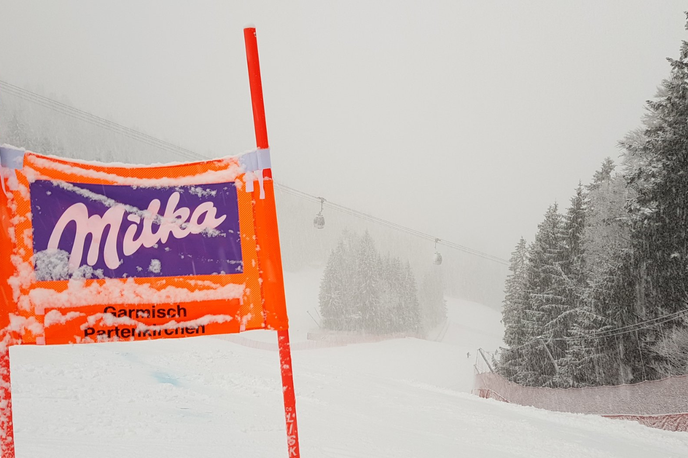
221	397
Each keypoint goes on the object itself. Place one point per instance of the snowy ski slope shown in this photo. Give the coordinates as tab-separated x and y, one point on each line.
213	397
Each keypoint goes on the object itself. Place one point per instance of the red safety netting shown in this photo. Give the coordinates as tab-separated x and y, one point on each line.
659	404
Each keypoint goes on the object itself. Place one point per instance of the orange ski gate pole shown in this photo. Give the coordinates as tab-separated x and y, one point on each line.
274	287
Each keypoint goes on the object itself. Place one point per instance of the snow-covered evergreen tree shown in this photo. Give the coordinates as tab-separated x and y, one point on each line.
547	322
408	311
602	176
367	284
607	229
579	317
513	316
609	303
335	295
389	291
574	225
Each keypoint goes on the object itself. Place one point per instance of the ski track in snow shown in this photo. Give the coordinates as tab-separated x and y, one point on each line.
211	397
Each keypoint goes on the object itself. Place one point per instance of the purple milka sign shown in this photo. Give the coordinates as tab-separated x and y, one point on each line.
115	231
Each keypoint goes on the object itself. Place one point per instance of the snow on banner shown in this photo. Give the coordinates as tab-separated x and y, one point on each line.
111	253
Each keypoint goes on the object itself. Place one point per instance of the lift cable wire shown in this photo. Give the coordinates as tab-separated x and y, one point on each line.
98	121
394	226
607	333
188	154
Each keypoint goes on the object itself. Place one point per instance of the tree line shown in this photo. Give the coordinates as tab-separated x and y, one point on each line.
600	297
364	291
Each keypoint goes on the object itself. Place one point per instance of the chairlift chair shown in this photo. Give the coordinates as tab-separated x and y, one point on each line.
319	220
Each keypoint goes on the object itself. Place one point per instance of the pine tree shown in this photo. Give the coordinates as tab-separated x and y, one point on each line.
337	298
607	229
577	317
513	314
604	175
389	291
610	302
624	357
546	321
333	293
367	284
574	225
409	307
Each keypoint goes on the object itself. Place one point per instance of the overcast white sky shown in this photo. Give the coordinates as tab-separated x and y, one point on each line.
461	119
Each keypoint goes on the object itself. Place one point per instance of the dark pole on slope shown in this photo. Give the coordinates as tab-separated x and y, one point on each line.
277	294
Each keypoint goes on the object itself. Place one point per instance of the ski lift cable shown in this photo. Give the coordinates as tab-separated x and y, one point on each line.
399	227
632	328
355	213
662	318
142	138
394	226
189	154
88	117
96	120
640	326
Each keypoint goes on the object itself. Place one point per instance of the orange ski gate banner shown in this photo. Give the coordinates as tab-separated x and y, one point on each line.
132	253
93	252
